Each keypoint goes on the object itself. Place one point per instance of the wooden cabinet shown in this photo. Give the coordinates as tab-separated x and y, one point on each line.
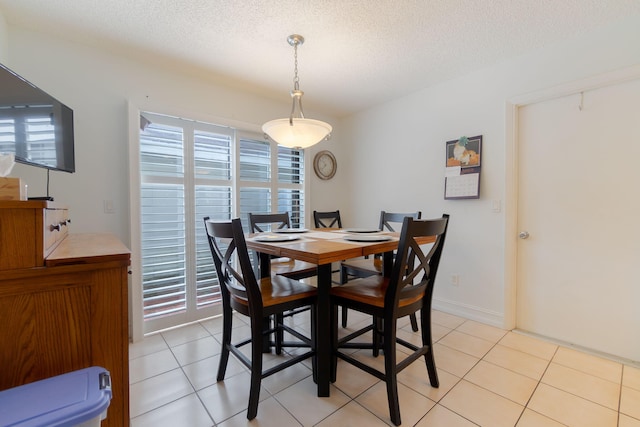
29	232
63	301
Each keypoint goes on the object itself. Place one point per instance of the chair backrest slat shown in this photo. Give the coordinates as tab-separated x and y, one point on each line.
327	219
260	222
388	219
411	261
233	266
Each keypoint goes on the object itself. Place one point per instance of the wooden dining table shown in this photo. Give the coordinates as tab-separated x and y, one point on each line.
323	247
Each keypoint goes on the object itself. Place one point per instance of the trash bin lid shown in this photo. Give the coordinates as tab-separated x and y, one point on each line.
63	400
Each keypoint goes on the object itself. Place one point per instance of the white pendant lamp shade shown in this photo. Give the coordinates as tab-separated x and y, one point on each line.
296	132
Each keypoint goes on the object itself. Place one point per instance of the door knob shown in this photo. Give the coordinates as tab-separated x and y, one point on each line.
523	235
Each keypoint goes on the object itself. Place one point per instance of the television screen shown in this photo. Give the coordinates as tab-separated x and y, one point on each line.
34	126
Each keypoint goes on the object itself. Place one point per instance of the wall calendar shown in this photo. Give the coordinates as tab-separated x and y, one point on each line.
462	172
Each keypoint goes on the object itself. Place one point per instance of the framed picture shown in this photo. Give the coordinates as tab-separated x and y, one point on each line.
462	170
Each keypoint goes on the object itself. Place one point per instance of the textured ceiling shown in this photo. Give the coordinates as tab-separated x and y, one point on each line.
357	53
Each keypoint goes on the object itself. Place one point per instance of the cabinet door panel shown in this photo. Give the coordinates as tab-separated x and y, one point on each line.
47	332
19	242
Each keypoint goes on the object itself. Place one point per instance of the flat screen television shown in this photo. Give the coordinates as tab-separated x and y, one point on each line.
34	126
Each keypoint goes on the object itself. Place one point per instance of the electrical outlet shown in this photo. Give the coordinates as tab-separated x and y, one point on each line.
108	206
455	280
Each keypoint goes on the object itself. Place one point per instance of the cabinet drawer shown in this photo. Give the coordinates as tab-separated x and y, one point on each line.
29	231
56	228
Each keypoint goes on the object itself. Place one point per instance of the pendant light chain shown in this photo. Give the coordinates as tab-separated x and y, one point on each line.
296	93
296	80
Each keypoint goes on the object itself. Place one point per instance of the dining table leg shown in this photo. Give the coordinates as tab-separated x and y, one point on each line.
324	328
387	263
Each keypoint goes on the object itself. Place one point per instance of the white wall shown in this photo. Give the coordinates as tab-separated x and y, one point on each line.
4	39
396	157
98	85
390	157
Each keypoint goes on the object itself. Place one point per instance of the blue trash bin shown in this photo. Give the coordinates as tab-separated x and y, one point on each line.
79	398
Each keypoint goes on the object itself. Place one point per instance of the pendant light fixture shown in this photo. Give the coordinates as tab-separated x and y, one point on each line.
296	131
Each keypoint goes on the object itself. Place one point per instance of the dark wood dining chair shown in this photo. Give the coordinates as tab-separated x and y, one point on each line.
368	266
327	219
259	300
294	269
407	290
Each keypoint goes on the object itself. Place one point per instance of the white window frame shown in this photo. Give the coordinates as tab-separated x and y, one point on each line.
243	130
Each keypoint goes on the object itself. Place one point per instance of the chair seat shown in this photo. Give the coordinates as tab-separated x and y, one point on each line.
293	268
366	265
369	290
277	290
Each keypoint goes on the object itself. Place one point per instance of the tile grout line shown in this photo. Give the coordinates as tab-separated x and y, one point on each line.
449	330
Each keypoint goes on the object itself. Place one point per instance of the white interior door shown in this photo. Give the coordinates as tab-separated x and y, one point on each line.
579	200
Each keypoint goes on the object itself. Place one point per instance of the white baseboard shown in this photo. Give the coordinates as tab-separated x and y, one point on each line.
470	312
567	344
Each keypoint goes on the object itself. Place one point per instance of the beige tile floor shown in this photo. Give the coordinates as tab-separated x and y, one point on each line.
488	377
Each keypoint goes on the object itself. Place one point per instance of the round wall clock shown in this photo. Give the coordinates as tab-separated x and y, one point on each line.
325	165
